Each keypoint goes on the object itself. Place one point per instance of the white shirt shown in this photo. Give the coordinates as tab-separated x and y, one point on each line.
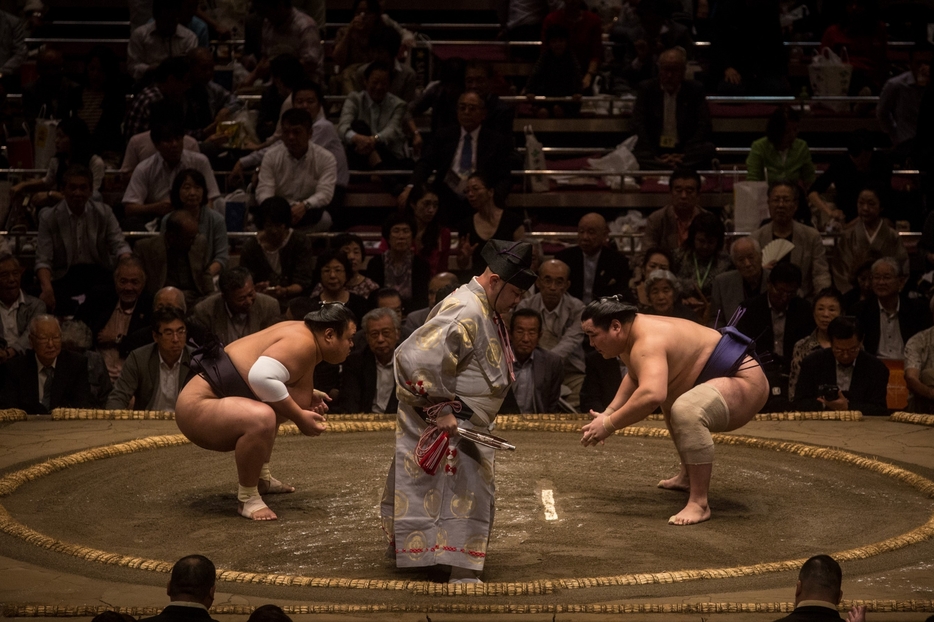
590	273
891	344
165	397
8	319
82	239
140	147
147	48
309	179
42	375
385	385
456	162
152	179
778	330
845	376
237	325
273	258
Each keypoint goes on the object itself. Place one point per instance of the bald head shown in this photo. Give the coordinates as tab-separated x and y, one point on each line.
169	297
592	233
554	278
554	267
439	281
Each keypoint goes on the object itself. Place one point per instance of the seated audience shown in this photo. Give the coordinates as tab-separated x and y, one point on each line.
654	258
103	100
399	267
671	118
285	73
844	376
148	194
828	304
177	257
601	382
667	228
353	42
808	252
900	103
286	30
372	123
358	283
191	591
439	287
498	116
166	297
891	317
140	146
440	95
870	237
45	377
267	613
76	337
190	193
539	373
389	298
664	292
597	268
861	284
560	331
432	240
162	38
78	245
860	37
700	260
489	221
555	74
17	308
301	172
13	52
154	374
818	593
780	155
237	310
585	36
207	103
641	41
52	95
919	369
331	272
367	380
115	313
170	81
384	48
734	287
741	26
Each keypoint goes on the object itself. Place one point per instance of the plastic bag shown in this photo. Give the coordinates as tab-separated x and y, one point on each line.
44	140
830	76
620	159
535	161
750	204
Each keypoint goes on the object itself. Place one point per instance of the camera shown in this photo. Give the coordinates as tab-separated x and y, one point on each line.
828	391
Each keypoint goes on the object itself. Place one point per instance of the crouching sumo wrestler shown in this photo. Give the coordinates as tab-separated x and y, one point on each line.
245	391
704	380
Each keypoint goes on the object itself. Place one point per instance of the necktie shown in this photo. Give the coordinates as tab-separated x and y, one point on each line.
467	154
47	387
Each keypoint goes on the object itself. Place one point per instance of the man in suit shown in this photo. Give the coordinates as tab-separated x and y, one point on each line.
601	381
458	151
188	269
890	318
190	590
732	288
46	377
597	269
237	310
367	380
17	308
371	123
818	593
153	375
78	244
861	380
667	228
439	287
499	115
561	332
808	253
539	373
671	118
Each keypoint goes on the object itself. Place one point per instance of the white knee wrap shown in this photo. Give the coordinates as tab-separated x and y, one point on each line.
694	416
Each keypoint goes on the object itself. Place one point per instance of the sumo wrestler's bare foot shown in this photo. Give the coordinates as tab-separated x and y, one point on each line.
681	482
272	486
692	514
255	509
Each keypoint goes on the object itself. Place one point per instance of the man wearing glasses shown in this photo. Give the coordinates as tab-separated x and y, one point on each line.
154	374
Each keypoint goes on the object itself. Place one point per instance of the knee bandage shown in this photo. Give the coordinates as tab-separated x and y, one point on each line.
267	379
694	416
244	494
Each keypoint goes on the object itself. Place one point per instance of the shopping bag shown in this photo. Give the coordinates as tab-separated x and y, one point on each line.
620	159
750	204
535	161
830	76
235	206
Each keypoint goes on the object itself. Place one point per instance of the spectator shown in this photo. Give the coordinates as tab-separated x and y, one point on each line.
17	308
780	155
166	297
371	122
479	77
154	374
45	377
919	367
441	95
301	172
667	228
399	267
117	312
653	259
13	50
187	248
190	193
287	30
808	252
890	318
700	260
148	193
170	81
331	271
432	241
384	48
818	593
555	74
237	310
358	283
285	73
828	305
207	103
140	146
672	119
52	95
76	337
268	613
190	16
103	101
78	244
848	174
585	37
439	287
191	591
639	45
488	222
843	377
389	298
900	103
559	330
601	382
279	258
163	38
597	268
664	292
732	288
861	284
539	373
738	27
861	38
352	43
367	380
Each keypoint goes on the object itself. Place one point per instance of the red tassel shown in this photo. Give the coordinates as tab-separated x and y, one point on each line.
431	449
